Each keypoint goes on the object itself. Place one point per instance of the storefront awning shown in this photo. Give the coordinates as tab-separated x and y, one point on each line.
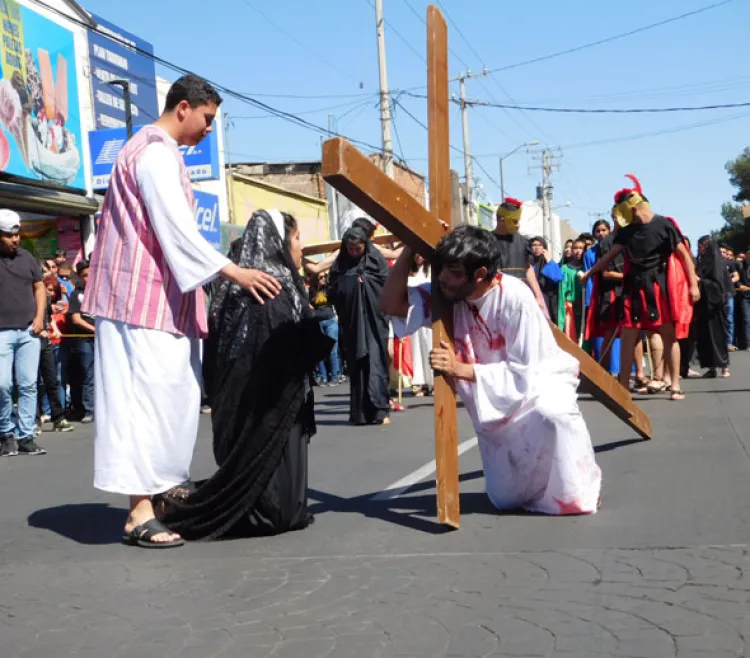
29	198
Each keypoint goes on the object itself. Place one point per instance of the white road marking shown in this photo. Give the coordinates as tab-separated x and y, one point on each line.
404	484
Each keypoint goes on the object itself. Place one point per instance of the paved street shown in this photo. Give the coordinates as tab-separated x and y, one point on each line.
662	570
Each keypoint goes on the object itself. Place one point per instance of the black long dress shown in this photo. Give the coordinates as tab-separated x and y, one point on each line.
711	309
257	366
354	286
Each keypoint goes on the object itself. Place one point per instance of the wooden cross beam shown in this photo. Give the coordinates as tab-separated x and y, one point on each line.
357	178
330	247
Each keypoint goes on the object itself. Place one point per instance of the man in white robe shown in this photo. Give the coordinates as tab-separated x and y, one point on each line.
147	374
518	386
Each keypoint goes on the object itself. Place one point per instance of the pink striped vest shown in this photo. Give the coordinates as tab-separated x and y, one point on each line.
129	279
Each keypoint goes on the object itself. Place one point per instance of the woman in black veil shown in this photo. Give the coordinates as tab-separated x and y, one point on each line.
356	281
711	309
257	366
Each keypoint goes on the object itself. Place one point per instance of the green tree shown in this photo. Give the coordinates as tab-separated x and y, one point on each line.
736	232
739	175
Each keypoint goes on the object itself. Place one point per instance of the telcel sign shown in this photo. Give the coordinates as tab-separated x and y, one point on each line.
207	217
202	161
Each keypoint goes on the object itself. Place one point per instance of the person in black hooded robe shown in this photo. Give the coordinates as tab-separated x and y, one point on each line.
711	309
257	366
355	284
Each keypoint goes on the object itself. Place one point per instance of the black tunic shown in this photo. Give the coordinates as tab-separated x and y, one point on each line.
610	309
648	247
514	255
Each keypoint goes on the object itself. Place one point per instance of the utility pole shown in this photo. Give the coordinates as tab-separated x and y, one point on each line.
125	86
467	148
385	100
331	194
228	160
464	103
547	161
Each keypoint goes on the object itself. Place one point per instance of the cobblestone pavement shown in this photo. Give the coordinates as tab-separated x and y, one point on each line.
662	570
681	602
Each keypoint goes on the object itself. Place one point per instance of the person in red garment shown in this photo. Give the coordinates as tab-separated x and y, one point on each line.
660	284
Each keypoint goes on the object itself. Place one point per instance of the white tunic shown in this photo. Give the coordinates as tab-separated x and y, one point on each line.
421	344
147	382
536	450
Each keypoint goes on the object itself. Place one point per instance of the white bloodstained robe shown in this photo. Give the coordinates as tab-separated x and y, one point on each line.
536	450
421	344
147	382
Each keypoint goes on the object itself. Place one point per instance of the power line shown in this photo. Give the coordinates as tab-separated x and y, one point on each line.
453	148
596	110
615	37
458	31
355	105
244	98
400	36
627	110
297	41
494	80
307	97
656	133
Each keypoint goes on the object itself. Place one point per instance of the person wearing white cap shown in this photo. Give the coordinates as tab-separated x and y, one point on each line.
22	305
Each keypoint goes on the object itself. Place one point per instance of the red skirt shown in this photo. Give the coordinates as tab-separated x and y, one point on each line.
601	316
646	324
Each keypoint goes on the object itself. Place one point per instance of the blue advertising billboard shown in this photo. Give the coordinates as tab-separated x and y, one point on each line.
202	161
125	57
207	217
40	122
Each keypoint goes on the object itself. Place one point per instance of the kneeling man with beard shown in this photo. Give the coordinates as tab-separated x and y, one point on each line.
518	386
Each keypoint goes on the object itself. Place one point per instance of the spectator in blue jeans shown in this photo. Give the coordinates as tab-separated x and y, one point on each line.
733	277
743	296
84	325
328	371
23	302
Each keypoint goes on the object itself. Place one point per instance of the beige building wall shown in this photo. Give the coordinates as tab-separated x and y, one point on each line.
250	194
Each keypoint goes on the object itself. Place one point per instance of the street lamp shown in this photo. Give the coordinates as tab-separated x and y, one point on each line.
507	155
125	84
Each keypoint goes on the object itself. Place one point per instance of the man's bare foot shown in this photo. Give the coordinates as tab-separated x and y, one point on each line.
385	421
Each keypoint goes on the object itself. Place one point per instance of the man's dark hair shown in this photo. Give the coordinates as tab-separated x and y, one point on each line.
470	246
193	89
585	237
81	265
600	222
365	225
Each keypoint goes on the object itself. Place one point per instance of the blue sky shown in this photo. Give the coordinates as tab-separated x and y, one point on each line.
325	53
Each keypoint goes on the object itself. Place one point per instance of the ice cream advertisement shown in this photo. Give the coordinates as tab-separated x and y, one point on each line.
41	128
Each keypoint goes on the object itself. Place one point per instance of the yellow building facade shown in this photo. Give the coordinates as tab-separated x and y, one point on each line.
247	194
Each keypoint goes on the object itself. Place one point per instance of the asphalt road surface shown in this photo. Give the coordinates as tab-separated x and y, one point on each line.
662	569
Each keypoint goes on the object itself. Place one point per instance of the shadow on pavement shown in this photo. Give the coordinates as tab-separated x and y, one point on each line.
94	524
406	511
614	445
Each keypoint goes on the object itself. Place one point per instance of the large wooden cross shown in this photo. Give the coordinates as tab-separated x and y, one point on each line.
357	178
